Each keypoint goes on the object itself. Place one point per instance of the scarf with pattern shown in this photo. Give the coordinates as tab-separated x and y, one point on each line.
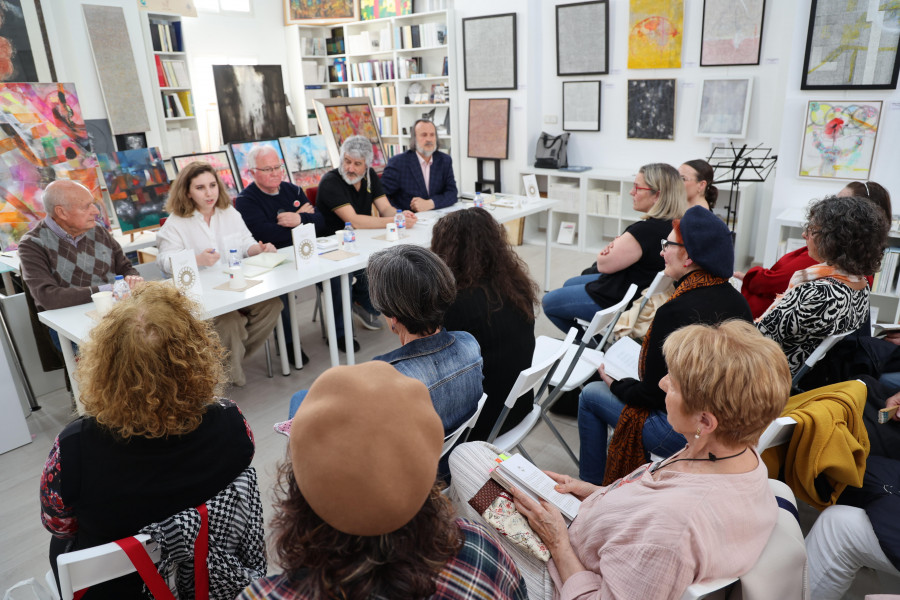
819	271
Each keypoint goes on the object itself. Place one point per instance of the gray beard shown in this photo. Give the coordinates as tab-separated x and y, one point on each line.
349	180
423	152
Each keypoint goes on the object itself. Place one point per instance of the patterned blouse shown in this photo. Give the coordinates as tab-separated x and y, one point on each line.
809	313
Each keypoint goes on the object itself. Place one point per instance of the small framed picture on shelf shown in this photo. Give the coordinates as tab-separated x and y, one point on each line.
439	93
131	141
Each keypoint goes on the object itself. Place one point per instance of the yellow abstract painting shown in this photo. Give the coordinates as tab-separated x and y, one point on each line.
654	34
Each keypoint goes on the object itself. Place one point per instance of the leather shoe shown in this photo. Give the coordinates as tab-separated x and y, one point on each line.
290	354
342	344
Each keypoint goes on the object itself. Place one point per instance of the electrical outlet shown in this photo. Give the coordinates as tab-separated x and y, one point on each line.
550	119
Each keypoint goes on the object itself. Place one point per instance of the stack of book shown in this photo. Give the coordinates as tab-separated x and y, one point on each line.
337	72
312	46
886	280
382	95
178	104
171	73
166	35
372	70
426	35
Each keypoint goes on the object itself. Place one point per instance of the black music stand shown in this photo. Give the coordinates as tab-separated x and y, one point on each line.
739	165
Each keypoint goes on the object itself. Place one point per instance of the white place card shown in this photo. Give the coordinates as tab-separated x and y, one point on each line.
531	187
305	252
186	274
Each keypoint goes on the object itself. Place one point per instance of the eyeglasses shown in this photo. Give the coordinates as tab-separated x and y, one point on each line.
268	170
637	187
666	243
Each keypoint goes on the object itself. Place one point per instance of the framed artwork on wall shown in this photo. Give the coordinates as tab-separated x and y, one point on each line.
581	106
379	9
488	128
851	46
731	33
724	107
138	187
218	161
655	28
239	153
320	12
252	103
582	38
489	52
340	118
839	139
651	109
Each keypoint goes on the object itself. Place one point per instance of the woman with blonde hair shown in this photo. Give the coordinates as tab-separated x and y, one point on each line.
154	438
633	257
203	220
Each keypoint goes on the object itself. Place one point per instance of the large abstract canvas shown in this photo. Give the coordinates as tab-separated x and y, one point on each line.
654	34
732	32
252	103
138	187
306	159
651	109
42	138
240	151
489	52
839	139
218	161
724	107
582	38
340	118
488	128
320	12
16	56
116	68
852	44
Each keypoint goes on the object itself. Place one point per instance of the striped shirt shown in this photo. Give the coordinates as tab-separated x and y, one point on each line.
481	571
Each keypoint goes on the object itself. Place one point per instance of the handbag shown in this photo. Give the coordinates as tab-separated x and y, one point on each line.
551	151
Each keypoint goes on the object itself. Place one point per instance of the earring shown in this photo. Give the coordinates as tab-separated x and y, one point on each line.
697	435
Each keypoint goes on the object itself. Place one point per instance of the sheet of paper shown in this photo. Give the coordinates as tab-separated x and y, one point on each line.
538	482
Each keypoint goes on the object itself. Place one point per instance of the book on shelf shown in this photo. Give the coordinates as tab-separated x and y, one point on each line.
161	73
187	102
337	72
882	329
519	472
424	35
165	36
312	46
335	44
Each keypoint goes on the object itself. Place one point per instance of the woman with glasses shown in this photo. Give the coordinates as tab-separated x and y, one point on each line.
633	257
699	257
697	176
760	286
845	236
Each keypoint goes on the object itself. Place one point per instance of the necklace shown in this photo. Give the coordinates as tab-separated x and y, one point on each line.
712	458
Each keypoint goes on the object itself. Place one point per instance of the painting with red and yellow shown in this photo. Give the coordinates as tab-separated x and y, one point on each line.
320	12
839	139
356	119
654	34
379	9
42	139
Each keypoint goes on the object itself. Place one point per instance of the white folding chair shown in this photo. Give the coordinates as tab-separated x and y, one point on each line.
817	355
527	380
777	433
659	283
451	439
83	568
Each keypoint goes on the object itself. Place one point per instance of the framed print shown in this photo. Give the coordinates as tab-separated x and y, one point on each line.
724	107
379	9
651	109
320	12
340	118
239	153
489	52
488	128
218	161
851	46
138	187
839	139
131	141
582	38
654	34
732	32
306	159
581	106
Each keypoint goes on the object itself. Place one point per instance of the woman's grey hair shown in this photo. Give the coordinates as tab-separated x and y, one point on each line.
413	285
666	181
255	153
849	233
357	146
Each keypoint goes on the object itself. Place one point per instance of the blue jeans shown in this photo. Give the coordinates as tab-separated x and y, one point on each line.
359	293
891	381
598	408
296	399
562	306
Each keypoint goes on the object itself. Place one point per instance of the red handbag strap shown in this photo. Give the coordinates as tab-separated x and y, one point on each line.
146	568
201	551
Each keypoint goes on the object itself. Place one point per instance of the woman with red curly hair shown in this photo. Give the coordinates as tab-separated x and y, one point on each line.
154	438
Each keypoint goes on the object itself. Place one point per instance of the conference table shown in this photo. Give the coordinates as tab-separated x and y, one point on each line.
74	323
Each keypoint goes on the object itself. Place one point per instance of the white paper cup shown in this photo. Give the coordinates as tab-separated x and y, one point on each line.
391	232
237	280
103	301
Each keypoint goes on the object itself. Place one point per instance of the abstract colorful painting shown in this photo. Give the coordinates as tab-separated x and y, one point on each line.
852	45
320	12
138	187
378	9
651	109
346	117
654	34
218	161
306	159
239	153
42	139
839	139
732	32
16	56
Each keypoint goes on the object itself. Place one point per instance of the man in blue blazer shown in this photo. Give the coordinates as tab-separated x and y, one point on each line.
403	179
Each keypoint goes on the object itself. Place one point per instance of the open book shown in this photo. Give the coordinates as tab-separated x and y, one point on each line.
882	329
620	361
518	471
253	266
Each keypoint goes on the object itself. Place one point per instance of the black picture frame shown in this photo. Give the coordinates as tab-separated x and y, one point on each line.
729	4
805	83
131	141
581	90
490	52
579	51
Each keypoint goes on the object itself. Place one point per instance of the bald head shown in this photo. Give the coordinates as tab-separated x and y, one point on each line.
71	205
259	153
61	192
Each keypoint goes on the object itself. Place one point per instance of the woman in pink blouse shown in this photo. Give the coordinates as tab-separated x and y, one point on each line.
704	513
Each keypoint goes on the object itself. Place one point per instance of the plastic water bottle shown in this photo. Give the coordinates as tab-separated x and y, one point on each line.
235	272
400	222
349	238
120	288
479	200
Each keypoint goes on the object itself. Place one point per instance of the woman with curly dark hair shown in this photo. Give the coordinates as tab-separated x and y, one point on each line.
154	438
846	236
495	302
358	514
